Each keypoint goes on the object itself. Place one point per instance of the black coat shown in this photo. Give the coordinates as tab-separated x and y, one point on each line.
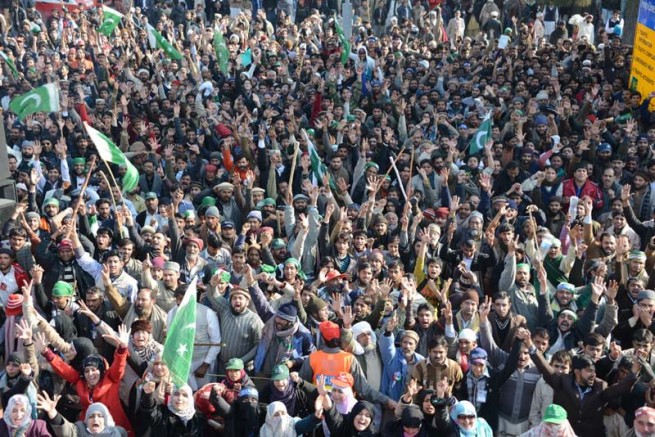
163	423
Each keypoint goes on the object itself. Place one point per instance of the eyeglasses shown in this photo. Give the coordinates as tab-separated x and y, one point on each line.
466	417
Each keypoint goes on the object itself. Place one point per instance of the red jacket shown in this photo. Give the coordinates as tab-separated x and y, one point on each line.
106	391
589	189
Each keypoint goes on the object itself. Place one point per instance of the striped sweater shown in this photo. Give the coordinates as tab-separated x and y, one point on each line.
240	333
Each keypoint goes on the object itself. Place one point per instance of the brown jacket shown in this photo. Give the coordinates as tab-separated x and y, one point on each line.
516	321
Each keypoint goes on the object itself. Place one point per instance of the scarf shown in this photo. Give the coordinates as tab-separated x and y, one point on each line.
11	336
185	414
287	397
278	426
275	346
147	352
18	429
481	428
553	273
110	429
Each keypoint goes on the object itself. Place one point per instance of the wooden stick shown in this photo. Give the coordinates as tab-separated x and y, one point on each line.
84	186
411	172
111	193
394	161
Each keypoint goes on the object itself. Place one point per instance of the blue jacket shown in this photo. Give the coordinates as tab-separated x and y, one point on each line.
395	373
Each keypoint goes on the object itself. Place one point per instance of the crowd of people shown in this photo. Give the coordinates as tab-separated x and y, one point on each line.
438	223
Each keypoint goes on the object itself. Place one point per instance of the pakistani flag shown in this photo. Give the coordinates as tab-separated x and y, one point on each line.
10	64
222	54
178	349
158	41
345	44
110	20
110	153
481	136
318	168
42	99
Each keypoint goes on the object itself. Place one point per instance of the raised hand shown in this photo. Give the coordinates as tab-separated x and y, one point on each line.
47	404
40	342
485	309
24	331
347	317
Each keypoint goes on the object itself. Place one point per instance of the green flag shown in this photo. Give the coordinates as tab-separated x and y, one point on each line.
10	64
222	53
345	44
110	19
318	167
178	349
481	136
110	153
158	41
42	99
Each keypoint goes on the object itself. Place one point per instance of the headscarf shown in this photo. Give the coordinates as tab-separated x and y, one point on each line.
278	426
190	411
18	429
348	403
544	429
83	347
148	375
481	428
64	326
287	397
110	426
350	420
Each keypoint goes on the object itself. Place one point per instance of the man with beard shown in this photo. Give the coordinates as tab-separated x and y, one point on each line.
12	275
164	289
267	208
504	322
566	330
151	216
143	308
78	175
284	339
516	280
642	313
150	181
241	329
124	283
229	202
363	344
398	362
580	392
644	424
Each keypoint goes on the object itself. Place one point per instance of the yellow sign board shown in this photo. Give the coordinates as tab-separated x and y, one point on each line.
642	74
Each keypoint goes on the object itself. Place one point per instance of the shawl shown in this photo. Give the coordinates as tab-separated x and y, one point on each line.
18	429
186	414
278	426
275	346
286	397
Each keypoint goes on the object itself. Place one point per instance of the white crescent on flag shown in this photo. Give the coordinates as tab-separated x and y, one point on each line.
477	139
35	97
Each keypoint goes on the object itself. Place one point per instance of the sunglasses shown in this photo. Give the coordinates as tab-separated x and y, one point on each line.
466	417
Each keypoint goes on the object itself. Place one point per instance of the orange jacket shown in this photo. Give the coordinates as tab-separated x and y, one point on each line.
330	365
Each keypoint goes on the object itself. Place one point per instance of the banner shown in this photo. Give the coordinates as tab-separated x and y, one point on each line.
642	75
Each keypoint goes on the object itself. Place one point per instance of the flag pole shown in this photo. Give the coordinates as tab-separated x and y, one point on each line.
84	185
411	171
113	179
